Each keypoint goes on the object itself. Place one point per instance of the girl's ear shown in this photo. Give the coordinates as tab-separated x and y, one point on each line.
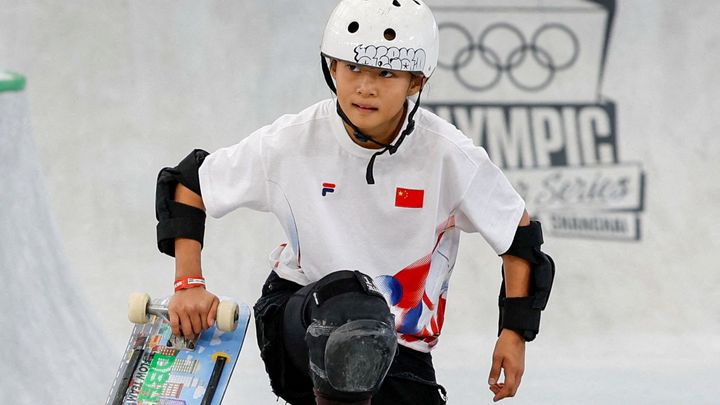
416	83
333	68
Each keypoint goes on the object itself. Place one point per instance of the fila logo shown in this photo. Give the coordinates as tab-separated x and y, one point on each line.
328	188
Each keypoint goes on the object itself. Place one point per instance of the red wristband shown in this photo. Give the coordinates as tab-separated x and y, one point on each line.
189	282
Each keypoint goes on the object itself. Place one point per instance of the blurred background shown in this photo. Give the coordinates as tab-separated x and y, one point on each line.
602	114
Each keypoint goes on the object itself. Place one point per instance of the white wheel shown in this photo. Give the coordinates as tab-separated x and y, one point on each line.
227	316
137	307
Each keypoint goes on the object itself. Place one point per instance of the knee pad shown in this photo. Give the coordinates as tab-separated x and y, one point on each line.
350	361
349	334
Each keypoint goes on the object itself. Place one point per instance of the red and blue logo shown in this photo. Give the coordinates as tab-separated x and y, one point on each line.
328	188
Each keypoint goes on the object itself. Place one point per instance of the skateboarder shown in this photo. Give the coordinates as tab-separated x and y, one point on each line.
372	192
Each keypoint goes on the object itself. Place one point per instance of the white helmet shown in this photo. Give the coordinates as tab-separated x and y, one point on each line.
392	34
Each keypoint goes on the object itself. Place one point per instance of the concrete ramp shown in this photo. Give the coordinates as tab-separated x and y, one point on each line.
51	349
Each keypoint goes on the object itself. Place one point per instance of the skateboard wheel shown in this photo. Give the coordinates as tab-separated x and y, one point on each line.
227	316
137	307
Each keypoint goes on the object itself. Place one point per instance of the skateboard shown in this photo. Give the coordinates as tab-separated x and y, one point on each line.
160	368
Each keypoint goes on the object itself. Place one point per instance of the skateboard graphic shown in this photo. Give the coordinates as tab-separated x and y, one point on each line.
159	368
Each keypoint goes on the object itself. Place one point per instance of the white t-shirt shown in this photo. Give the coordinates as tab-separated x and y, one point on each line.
403	231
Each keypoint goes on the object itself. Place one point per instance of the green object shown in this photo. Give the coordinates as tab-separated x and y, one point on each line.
10	81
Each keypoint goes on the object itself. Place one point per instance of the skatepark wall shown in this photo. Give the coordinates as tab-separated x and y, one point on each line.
610	135
52	341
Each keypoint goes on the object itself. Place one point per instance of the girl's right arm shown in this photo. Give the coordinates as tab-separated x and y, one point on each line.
190	310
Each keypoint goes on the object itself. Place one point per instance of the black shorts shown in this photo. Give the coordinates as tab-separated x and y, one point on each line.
410	381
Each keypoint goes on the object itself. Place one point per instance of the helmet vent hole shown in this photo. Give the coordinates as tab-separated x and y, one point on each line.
353	27
395	3
417	2
390	34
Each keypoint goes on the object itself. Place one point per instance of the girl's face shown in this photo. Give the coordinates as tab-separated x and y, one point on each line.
373	98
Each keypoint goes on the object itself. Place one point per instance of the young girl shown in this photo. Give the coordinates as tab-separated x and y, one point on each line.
372	192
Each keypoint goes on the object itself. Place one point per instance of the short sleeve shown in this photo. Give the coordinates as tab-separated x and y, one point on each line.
490	205
235	177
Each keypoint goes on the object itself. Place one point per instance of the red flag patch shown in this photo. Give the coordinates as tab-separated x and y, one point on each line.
409	198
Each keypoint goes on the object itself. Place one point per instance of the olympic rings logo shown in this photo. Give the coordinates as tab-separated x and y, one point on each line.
522	63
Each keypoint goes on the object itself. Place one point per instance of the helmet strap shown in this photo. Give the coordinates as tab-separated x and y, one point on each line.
393	148
357	133
326	72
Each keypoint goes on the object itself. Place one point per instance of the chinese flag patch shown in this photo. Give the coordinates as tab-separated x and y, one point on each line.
409	198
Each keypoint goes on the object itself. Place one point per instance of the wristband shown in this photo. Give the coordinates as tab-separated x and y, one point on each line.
189	282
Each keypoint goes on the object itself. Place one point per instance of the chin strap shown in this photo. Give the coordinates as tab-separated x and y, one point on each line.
356	131
366	138
393	148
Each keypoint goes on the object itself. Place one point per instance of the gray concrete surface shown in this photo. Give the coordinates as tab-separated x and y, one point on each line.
120	89
52	343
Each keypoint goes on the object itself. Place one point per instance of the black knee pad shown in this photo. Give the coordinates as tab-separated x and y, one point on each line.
341	331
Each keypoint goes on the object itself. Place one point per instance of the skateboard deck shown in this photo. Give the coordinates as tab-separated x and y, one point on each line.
161	369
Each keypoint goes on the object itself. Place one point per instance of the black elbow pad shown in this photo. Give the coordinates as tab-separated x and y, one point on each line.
523	314
177	220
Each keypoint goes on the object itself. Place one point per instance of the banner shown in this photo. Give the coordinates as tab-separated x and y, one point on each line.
525	83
